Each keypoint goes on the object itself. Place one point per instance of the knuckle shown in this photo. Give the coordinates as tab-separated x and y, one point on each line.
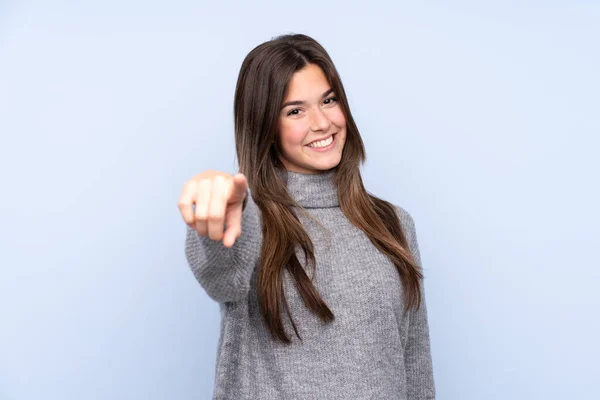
214	217
190	186
204	182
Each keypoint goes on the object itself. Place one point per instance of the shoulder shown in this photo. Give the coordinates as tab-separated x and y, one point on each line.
407	224
406	220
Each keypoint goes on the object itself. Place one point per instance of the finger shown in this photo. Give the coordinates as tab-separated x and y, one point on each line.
240	188
233	223
216	209
186	200
202	203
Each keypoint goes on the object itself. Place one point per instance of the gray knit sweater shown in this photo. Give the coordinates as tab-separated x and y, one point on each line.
369	351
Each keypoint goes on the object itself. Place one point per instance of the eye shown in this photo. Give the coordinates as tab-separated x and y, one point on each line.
330	100
295	111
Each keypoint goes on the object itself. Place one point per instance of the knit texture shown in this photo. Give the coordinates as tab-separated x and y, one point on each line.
371	350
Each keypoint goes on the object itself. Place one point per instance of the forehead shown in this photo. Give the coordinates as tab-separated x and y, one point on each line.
307	83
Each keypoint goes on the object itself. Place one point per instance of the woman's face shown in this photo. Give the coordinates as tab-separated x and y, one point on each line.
312	126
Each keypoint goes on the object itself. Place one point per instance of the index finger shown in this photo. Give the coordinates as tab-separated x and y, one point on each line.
240	188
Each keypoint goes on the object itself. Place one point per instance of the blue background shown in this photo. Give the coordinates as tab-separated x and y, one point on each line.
481	120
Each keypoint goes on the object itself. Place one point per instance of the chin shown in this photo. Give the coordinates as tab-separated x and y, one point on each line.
325	166
311	167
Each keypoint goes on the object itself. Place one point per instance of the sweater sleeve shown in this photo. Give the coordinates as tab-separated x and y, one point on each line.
418	362
225	273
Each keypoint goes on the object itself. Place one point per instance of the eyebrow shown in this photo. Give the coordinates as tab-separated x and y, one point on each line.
300	102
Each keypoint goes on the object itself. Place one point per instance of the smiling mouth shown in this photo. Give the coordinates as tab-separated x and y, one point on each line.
317	144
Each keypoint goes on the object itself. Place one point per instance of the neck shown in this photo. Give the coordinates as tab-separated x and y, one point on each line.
312	190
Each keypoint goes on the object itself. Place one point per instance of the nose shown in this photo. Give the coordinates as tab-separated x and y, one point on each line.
319	121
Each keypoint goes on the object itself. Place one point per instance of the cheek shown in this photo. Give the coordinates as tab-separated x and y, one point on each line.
292	133
337	117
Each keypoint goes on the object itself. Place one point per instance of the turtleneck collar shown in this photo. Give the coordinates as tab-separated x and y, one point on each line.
312	190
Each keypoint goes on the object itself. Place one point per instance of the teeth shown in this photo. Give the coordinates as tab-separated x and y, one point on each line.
322	143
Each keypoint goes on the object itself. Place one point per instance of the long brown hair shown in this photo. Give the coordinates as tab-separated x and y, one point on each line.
260	91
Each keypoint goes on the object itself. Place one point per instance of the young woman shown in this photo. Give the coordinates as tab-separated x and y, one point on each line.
319	282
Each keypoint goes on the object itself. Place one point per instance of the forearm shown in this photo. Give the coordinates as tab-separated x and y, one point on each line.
224	272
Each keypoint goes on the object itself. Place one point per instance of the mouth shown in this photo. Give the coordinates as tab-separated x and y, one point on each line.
323	144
